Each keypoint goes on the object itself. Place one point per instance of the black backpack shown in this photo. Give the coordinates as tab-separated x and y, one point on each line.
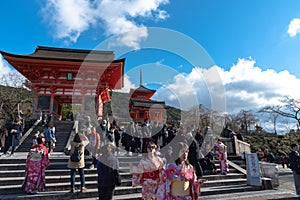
76	155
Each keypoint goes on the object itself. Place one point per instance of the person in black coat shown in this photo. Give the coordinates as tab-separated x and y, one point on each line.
14	136
193	155
269	156
294	159
199	138
146	131
108	170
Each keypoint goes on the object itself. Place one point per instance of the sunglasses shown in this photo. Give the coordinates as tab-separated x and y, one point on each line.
151	147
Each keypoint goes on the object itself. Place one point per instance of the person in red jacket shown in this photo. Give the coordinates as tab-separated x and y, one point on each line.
260	154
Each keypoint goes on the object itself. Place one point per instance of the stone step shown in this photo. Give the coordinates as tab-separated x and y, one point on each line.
62	129
17	176
228	189
60	186
16	170
126	192
65	194
14	174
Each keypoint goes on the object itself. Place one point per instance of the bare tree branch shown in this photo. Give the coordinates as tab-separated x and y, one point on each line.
290	108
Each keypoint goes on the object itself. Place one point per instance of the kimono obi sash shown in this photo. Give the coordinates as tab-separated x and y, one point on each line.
36	154
180	188
151	175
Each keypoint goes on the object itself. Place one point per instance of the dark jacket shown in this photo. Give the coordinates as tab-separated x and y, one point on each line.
294	159
107	167
270	157
14	135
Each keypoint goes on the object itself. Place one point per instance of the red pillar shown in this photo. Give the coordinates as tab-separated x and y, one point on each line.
36	101
100	107
83	101
51	102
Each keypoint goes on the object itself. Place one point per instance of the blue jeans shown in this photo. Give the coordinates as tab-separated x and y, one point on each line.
81	174
297	182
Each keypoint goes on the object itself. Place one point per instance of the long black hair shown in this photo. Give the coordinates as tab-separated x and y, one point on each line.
77	138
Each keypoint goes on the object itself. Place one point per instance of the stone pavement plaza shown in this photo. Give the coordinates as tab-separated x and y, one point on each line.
285	191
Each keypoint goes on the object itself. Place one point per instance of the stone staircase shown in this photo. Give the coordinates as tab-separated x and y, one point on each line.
58	180
62	132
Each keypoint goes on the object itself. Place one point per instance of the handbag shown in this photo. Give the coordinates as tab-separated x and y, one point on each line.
67	151
76	155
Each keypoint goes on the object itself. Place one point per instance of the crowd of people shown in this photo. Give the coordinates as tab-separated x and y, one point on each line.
163	149
173	158
171	164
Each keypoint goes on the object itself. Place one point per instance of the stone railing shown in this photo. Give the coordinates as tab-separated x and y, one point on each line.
24	136
241	146
235	146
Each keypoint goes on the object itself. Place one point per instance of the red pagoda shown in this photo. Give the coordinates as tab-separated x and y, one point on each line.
141	107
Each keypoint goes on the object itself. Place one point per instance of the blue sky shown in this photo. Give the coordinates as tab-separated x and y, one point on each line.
253	45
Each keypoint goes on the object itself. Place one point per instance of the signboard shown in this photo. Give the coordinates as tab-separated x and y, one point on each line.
253	170
69	76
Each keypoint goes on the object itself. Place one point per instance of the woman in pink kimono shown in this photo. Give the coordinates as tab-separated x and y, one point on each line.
148	172
36	164
180	179
221	155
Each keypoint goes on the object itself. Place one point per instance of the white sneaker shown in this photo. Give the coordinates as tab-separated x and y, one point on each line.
91	167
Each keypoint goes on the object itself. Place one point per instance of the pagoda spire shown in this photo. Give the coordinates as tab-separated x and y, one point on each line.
141	77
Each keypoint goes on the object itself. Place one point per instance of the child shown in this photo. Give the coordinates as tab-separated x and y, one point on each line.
36	135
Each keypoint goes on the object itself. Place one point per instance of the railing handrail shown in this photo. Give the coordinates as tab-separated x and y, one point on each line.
28	133
72	134
237	167
241	146
244	143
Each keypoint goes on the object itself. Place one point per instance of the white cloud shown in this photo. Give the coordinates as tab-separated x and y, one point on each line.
4	68
127	85
294	27
130	39
184	91
246	87
70	18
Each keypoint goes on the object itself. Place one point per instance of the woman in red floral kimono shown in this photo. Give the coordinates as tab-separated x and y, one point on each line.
148	173
180	181
36	164
221	155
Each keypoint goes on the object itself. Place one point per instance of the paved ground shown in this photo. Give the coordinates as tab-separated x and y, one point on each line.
285	191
